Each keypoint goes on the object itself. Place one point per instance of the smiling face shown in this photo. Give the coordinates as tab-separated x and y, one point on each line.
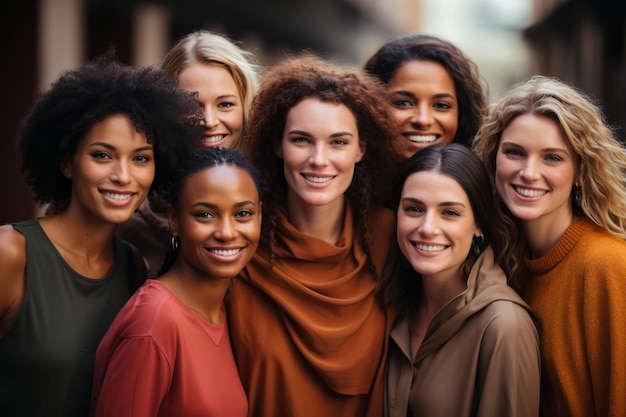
218	221
111	171
320	147
535	171
435	225
425	105
219	98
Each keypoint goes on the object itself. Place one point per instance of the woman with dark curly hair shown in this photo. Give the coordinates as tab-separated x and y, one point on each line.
94	146
308	328
436	91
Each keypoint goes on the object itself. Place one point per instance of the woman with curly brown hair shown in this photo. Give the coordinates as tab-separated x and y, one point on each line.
437	95
94	146
309	330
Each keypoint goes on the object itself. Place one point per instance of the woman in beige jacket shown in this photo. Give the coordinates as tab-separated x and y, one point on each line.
464	344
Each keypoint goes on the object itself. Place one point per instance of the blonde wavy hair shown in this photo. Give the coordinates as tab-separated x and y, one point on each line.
601	159
204	47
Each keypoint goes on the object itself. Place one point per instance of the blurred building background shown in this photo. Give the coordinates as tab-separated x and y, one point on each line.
580	41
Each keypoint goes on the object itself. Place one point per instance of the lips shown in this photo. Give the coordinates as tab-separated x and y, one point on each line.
117	198
429	247
213	138
225	252
529	192
421	138
318	179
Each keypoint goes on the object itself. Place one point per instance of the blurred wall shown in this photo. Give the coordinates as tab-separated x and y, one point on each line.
583	42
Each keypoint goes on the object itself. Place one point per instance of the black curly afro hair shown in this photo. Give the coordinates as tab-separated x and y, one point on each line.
80	98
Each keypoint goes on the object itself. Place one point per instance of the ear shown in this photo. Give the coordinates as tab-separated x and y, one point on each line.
362	149
278	149
171	219
66	168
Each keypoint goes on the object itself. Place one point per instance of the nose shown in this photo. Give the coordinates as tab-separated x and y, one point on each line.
226	230
120	173
210	117
422	115
530	170
319	155
429	225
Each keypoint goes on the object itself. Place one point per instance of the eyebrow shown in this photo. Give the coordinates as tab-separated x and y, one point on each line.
228	96
303	133
113	148
515	145
443	204
409	94
214	206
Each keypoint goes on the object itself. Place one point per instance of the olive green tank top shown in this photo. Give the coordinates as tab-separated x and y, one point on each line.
47	355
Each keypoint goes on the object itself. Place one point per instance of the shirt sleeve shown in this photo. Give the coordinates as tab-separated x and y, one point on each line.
509	370
136	380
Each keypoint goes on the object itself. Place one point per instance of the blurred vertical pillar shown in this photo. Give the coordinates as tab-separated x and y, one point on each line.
61	38
150	35
60	43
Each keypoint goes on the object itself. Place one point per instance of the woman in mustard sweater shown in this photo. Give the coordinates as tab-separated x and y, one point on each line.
560	175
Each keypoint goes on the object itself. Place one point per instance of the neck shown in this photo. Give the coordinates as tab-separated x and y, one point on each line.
79	235
323	222
542	234
198	291
438	291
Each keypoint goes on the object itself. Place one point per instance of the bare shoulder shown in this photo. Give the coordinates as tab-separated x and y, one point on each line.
12	267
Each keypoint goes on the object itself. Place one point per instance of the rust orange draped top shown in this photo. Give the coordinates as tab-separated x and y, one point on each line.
309	333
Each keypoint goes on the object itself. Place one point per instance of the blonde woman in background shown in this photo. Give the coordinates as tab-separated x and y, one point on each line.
560	176
224	79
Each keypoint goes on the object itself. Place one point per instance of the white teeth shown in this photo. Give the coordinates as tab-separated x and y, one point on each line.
529	193
116	196
224	252
213	139
430	248
318	179
422	139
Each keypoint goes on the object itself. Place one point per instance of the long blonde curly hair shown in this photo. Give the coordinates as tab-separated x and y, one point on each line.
600	156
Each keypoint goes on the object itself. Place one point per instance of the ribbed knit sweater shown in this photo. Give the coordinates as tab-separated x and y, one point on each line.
578	291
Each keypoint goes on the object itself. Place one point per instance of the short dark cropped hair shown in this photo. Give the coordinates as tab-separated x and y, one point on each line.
80	98
204	158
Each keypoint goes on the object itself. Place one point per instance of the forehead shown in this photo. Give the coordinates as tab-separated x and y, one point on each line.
426	74
206	77
316	114
433	186
537	131
221	180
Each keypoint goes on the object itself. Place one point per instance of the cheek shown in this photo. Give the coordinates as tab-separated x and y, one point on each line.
404	228
452	125
236	121
252	230
146	175
399	116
